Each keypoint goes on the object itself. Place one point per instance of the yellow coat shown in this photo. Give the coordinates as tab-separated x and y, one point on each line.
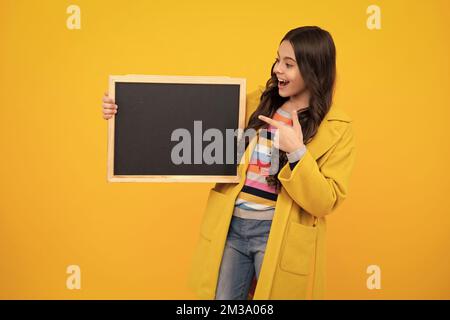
294	261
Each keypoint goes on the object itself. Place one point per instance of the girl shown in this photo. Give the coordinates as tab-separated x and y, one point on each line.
263	238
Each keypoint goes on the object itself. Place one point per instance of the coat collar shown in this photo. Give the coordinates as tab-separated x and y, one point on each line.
327	135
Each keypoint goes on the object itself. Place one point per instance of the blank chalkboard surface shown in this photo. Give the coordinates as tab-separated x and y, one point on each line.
166	126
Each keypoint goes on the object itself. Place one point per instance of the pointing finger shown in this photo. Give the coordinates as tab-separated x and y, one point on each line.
269	121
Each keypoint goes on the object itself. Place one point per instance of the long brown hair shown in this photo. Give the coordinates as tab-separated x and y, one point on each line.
316	58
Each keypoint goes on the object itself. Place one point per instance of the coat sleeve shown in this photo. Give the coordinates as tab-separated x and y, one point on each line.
320	190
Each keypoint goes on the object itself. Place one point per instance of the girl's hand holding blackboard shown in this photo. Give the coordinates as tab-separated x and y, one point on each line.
109	107
287	138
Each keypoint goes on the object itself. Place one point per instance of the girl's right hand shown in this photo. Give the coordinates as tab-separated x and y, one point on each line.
109	107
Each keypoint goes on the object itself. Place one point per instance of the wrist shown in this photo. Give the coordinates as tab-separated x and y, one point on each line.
296	154
295	148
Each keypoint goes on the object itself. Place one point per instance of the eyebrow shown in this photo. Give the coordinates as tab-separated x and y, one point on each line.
286	57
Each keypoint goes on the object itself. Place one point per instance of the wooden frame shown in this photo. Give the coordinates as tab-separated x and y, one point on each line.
172	79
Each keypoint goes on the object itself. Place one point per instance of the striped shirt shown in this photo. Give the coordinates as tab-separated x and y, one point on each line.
256	195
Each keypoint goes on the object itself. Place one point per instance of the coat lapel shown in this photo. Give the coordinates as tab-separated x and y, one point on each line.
325	138
327	135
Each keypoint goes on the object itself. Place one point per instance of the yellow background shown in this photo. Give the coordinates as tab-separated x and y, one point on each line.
135	240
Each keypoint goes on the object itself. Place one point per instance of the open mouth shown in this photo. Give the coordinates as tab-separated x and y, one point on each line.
282	83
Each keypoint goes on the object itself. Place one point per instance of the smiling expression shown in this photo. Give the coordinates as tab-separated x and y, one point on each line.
286	69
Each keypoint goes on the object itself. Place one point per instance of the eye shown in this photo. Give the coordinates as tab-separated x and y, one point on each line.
288	65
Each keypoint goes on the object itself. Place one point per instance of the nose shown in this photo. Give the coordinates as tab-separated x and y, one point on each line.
276	69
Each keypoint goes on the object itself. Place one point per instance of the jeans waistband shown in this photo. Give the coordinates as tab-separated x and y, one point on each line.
253	214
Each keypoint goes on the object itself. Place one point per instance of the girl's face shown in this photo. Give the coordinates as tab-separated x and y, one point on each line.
286	68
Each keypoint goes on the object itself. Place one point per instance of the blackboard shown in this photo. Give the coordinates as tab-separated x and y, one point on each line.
155	116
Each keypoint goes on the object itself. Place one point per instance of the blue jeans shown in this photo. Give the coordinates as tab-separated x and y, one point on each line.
242	257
